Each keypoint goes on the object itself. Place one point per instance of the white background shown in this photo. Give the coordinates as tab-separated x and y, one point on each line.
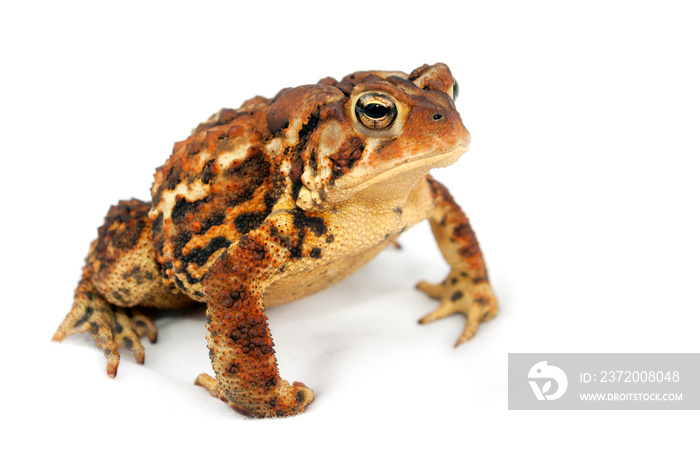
581	183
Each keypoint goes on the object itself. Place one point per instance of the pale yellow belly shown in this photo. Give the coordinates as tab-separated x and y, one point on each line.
306	278
361	228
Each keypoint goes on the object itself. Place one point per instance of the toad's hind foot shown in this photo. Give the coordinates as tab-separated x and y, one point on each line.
460	294
110	326
283	400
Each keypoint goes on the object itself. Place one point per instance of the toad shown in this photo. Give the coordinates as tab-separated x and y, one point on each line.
274	201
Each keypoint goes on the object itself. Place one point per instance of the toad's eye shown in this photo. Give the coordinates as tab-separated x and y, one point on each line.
455	90
375	111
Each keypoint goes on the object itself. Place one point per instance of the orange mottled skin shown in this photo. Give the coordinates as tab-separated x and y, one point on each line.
274	201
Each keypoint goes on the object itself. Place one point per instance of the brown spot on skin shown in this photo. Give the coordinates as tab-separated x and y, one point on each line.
303	223
85	318
315	224
137	275
172	175
208	171
344	159
200	256
157	236
246	222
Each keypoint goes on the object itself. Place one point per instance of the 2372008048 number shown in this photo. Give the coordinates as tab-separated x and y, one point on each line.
639	376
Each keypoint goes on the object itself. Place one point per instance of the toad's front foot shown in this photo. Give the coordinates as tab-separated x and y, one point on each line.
282	400
460	294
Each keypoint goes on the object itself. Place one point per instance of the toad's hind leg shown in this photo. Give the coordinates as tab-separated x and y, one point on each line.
121	276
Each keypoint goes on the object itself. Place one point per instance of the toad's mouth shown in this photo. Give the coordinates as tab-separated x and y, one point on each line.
405	166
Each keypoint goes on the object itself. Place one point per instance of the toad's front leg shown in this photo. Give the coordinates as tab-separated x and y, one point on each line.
239	339
466	290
